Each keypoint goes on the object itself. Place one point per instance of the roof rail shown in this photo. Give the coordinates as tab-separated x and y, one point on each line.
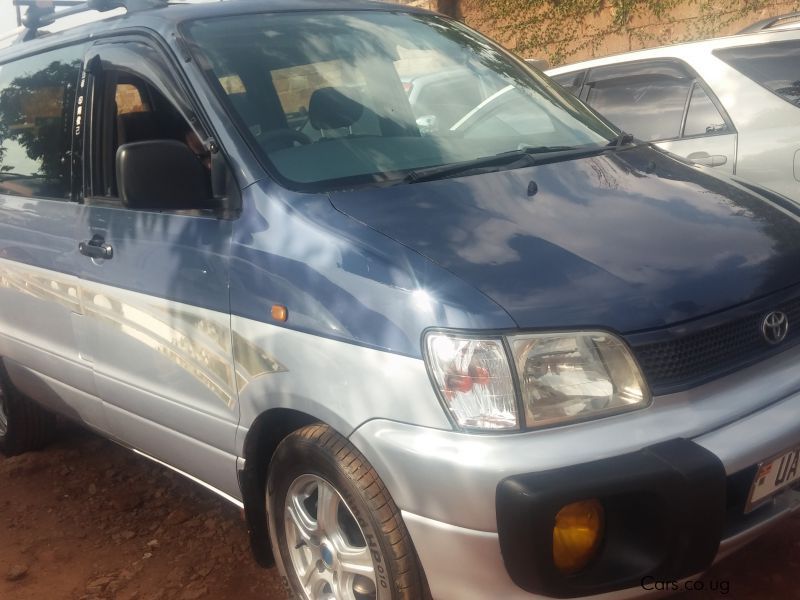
770	22
43	12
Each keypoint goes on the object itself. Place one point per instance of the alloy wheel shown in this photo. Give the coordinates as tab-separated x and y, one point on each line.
328	550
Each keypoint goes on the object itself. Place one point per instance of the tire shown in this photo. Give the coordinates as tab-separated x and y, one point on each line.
24	426
358	547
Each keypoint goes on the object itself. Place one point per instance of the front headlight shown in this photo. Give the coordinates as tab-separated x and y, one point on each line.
474	381
563	377
576	376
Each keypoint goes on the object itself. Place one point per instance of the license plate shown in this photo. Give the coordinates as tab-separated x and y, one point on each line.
773	475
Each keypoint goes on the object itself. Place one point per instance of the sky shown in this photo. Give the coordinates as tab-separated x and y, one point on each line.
8	18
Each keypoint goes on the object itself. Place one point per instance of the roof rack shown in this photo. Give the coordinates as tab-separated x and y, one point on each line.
41	13
771	22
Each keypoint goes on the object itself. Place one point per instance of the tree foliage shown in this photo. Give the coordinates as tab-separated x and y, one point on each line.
560	29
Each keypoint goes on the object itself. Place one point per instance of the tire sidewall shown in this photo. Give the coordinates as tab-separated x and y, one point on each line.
7	445
5	408
297	457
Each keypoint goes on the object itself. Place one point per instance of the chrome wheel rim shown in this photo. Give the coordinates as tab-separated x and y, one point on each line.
3	414
327	548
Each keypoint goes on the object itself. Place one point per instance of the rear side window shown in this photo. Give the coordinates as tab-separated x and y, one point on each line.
37	99
572	82
703	118
646	99
775	66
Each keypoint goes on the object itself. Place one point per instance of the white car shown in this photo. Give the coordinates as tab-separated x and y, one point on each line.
732	103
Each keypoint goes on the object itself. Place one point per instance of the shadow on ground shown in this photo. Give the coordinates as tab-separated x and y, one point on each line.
88	520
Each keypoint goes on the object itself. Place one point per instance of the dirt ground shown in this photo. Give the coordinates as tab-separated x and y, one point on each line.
87	520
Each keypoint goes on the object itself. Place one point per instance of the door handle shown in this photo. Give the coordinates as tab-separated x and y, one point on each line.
708	160
96	248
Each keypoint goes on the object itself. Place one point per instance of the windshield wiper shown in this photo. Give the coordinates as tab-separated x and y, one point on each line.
544	149
516	159
623	139
524	156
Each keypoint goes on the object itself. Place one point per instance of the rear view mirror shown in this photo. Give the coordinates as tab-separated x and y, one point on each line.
162	175
428	124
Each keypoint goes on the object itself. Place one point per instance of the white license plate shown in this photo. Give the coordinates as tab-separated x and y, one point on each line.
774	475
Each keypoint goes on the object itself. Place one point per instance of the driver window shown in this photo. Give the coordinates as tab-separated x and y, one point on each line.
131	110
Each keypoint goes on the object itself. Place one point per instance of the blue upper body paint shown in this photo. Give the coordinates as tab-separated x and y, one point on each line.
626	241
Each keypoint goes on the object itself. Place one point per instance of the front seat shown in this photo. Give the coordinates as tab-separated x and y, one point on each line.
333	109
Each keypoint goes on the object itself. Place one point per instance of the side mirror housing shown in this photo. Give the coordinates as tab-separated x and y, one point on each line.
162	175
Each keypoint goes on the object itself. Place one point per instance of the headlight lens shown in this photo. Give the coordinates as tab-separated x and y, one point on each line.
474	380
576	376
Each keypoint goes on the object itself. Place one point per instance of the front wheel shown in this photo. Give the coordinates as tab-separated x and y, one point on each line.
336	531
24	426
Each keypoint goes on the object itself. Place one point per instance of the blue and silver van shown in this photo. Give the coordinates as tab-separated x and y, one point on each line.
461	342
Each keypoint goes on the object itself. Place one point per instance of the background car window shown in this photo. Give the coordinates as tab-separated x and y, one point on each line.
646	99
37	99
572	82
703	118
775	66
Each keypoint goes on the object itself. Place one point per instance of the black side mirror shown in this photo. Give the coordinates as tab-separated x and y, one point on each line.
162	175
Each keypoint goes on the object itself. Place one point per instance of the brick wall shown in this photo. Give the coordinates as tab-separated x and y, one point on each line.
447	7
686	22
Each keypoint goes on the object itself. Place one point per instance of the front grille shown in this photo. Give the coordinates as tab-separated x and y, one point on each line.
694	358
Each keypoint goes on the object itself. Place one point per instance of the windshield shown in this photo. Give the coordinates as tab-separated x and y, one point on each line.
332	100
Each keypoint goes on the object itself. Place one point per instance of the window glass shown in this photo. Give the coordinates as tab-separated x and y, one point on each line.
296	85
352	97
446	96
129	99
646	99
703	117
232	84
572	82
775	66
139	113
510	115
37	98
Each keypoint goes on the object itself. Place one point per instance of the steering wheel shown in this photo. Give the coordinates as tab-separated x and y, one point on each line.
277	139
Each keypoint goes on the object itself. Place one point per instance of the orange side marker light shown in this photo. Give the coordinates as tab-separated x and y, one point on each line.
280	313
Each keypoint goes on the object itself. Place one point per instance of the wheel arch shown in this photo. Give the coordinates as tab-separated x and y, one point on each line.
268	430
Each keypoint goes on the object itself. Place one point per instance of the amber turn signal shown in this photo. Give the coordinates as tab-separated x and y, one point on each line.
280	312
577	534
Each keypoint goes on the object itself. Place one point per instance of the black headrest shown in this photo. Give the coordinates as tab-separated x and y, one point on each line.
329	108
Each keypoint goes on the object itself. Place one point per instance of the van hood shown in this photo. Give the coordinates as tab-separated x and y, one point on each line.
629	240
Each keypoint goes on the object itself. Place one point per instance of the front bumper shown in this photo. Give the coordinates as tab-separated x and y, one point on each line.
464	564
447	485
664	518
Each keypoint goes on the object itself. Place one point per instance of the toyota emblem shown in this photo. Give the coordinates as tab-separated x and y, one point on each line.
775	326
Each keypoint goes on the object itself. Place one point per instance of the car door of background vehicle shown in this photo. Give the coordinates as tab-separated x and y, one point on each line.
157	312
764	78
38	283
663	101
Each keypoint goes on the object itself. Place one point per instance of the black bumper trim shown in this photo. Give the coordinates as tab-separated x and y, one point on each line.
665	514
